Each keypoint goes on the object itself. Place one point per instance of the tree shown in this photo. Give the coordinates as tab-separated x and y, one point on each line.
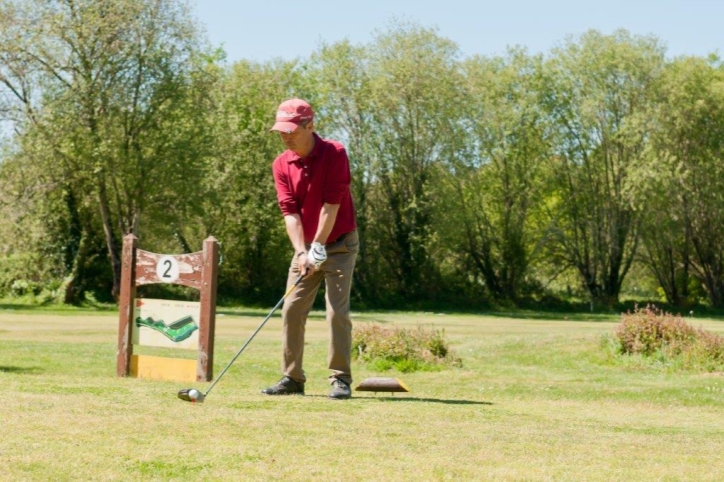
415	127
495	180
105	85
685	167
241	207
598	90
344	106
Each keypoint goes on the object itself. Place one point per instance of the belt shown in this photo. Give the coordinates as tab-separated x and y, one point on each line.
342	237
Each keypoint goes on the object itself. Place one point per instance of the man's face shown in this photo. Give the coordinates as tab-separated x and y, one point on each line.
300	139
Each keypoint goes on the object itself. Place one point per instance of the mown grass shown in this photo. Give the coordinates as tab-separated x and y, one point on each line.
535	399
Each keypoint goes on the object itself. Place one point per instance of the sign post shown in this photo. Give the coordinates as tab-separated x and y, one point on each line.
167	323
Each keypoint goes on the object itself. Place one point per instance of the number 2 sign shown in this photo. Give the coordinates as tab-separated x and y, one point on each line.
167	269
198	270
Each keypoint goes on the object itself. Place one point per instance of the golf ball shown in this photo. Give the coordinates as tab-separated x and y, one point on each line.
193	394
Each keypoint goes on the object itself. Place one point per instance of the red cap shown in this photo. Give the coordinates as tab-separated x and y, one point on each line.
290	114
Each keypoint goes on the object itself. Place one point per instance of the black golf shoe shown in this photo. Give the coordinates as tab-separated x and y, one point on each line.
285	386
340	390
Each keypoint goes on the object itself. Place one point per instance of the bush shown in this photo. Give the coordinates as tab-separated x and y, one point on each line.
652	332
402	349
23	287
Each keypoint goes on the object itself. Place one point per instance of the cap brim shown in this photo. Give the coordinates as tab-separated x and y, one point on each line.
287	127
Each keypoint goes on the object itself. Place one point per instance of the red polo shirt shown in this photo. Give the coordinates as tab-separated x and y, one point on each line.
304	185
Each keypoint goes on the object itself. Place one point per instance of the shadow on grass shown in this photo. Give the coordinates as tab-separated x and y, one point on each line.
583	312
245	312
555	316
14	306
50	308
261	314
10	369
557	311
426	400
398	399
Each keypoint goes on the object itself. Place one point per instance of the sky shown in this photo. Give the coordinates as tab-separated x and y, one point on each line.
262	30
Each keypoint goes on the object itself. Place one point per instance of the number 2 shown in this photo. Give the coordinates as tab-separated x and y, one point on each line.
168	265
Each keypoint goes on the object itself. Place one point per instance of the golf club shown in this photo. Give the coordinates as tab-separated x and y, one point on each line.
197	396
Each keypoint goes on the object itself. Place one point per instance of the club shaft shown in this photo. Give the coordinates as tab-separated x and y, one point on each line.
261	325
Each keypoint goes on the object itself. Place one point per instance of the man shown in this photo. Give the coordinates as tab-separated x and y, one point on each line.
312	179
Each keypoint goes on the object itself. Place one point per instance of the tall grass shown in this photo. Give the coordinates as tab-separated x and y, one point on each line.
668	338
404	349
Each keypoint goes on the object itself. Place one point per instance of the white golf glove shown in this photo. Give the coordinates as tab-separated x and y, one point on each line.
317	254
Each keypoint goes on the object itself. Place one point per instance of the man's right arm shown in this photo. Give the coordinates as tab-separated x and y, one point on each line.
288	206
295	231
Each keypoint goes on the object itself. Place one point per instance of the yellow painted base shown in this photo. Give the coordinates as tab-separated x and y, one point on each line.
161	368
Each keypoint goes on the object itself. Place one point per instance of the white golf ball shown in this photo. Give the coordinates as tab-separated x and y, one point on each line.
193	394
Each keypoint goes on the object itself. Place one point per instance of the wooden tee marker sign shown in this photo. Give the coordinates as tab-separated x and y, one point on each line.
382	384
145	321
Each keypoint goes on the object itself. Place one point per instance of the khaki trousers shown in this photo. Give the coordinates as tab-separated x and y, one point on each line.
337	275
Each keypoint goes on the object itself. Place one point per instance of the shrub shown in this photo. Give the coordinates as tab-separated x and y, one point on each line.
23	287
403	349
652	332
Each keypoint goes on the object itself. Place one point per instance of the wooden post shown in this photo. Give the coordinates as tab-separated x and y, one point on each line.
209	278
128	295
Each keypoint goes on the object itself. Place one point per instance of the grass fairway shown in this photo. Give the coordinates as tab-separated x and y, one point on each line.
536	399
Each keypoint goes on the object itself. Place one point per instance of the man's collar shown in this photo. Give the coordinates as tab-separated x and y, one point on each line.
294	157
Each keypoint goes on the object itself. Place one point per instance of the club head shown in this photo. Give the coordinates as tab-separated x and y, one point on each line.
191	395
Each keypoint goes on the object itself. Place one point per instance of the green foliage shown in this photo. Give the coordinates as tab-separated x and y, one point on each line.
240	206
486	181
415	130
598	91
109	107
404	349
659	335
493	190
683	170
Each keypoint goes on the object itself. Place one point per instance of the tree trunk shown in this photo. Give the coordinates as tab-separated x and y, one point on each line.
73	285
111	244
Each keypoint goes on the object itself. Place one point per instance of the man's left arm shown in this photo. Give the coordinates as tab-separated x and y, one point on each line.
337	184
318	252
327	217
